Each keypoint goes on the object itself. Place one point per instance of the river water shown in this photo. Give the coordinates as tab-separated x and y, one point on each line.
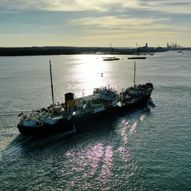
147	149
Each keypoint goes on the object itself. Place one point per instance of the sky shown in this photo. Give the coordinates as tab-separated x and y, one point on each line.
123	23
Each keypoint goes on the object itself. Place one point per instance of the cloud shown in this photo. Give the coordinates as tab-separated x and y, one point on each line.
168	6
117	23
96	20
118	29
57	5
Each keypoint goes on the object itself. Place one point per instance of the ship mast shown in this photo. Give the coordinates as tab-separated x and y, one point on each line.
52	90
134	81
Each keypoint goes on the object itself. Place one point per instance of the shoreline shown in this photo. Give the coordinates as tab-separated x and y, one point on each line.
67	50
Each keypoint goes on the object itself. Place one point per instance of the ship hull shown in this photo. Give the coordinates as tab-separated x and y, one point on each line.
64	125
82	123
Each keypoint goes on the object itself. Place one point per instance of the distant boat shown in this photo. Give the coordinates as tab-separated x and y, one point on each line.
110	58
137	57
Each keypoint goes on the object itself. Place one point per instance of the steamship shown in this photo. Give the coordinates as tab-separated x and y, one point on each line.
76	114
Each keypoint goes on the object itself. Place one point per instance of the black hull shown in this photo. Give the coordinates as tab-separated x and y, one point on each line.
137	57
70	126
63	125
87	121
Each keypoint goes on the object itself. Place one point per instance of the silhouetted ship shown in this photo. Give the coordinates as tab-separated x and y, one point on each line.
75	114
137	57
110	58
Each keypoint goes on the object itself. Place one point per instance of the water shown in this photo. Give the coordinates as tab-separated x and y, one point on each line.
146	149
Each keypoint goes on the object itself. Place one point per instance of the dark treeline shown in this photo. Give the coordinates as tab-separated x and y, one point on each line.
61	50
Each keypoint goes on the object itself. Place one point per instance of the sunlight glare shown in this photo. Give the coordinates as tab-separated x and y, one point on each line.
90	71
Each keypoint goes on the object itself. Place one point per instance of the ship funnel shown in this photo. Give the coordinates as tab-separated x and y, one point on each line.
69	100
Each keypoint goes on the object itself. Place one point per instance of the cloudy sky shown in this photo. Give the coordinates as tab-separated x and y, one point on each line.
124	23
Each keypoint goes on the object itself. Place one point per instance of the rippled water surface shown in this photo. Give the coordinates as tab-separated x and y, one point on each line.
148	148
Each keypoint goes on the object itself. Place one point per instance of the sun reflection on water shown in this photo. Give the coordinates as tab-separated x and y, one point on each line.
95	159
133	127
107	163
91	72
124	153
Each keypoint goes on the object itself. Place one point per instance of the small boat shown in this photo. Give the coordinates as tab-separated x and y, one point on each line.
110	58
137	57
